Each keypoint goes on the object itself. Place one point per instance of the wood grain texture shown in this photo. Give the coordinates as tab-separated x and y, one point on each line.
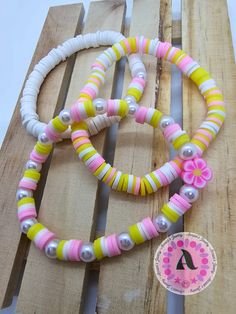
17	145
127	283
207	38
68	202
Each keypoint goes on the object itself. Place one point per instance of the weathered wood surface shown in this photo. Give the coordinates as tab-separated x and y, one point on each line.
213	215
69	202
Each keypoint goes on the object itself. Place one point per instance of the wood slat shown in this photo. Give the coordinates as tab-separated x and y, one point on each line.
68	202
207	38
60	23
127	283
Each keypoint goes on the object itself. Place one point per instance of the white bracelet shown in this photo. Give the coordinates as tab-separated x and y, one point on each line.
30	118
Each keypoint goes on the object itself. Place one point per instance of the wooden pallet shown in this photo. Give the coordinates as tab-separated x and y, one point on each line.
70	200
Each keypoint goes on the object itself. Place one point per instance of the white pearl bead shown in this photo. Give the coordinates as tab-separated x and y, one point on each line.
21	193
162	223
189	193
125	242
187	151
33	165
26	224
51	248
65	117
133	107
100	105
130	99
165	122
87	253
43	138
142	75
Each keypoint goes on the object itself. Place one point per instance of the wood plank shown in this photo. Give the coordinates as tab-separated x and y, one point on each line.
207	38
68	202
127	283
17	145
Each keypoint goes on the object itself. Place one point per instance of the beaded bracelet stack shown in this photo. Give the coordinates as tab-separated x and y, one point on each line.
30	118
188	163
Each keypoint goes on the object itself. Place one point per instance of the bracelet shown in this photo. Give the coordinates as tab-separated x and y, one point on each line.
181	142
30	118
194	170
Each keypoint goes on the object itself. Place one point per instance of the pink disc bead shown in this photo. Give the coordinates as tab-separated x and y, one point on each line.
140	114
74	250
149	226
112	245
43	238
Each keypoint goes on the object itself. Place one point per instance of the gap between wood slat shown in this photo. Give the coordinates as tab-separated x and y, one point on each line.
24	243
90	288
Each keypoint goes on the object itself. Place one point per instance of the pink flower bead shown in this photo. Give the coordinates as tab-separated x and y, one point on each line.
196	172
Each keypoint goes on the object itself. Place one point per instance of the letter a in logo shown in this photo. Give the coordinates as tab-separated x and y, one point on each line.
188	261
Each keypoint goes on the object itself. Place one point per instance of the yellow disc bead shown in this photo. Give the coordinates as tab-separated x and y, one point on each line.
123	109
33	230
156	118
99	169
120	184
89	108
125	182
180	141
147	186
133	45
32	174
42	148
25	200
58	125
59	250
82	125
169	213
142	187
135	93
98	248
82	147
88	155
135	234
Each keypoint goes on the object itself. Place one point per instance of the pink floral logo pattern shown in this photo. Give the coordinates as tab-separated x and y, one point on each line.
185	263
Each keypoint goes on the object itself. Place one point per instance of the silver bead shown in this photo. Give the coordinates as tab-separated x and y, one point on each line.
142	75
65	117
133	107
87	253
187	151
125	242
33	165
43	138
130	99
21	193
189	193
162	223
100	105
165	122
26	224
51	248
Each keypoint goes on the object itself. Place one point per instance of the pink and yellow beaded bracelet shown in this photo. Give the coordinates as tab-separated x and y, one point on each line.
192	168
